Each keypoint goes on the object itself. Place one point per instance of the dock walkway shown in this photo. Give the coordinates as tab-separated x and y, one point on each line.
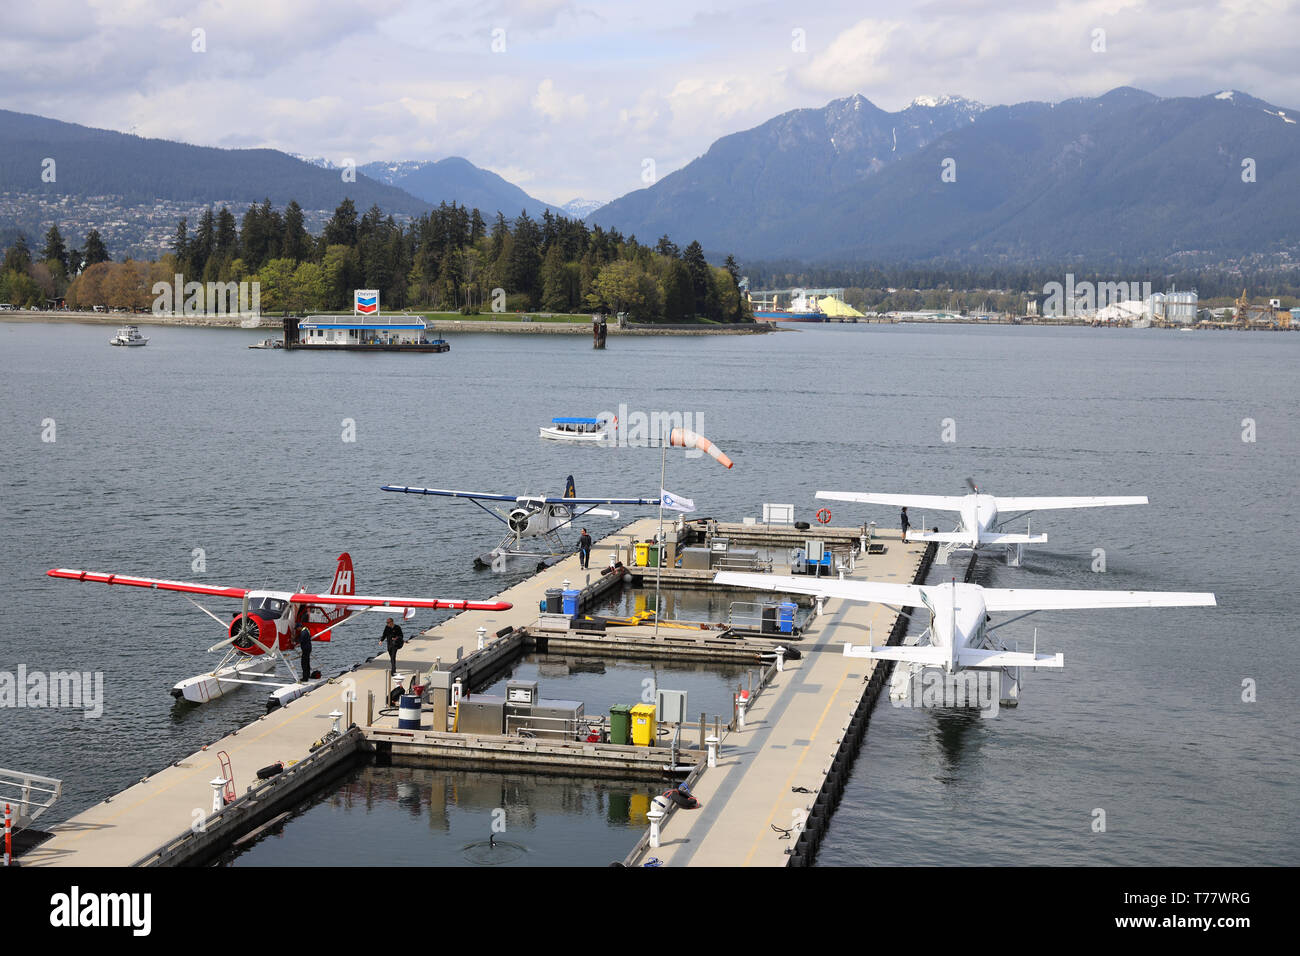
791	736
129	826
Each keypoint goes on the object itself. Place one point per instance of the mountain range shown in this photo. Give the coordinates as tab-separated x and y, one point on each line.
1122	176
1127	175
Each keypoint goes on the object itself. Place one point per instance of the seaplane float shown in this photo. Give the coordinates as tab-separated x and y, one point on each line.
260	646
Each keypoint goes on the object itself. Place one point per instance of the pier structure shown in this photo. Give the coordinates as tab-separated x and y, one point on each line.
782	750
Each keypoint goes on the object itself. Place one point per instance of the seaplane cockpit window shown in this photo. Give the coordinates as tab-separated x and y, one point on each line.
269	606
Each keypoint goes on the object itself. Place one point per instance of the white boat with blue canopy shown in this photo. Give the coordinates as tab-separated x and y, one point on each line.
589	430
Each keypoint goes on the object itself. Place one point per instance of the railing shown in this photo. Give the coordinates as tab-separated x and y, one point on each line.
550	728
30	794
748	616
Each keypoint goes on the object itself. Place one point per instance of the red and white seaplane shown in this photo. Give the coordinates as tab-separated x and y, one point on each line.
262	636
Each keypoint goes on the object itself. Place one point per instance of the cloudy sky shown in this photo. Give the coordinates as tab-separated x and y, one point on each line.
568	99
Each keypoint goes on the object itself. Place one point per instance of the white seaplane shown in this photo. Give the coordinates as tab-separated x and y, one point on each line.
981	517
262	637
539	517
959	636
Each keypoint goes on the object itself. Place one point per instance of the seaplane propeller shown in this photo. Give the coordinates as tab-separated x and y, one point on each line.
970	483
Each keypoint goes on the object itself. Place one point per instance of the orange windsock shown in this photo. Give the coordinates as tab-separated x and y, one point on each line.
685	438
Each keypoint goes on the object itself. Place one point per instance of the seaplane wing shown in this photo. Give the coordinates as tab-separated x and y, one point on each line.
138	582
1034	599
935	502
520	499
1006	505
358	602
980	658
907	595
922	654
943	537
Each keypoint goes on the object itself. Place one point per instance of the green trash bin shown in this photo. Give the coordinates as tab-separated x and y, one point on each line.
652	556
620	724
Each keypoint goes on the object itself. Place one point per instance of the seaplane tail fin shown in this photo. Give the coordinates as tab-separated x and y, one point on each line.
1035	599
974	657
1012	538
907	595
570	490
933	502
1006	505
344	582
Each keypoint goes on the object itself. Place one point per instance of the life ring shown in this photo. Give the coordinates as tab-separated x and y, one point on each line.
823	516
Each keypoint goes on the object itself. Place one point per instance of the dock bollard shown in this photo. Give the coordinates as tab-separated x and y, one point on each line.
713	750
335	715
780	659
482	635
218	784
654	816
741	700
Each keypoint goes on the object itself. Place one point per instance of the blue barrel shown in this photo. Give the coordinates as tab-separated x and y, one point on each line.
571	602
408	712
785	617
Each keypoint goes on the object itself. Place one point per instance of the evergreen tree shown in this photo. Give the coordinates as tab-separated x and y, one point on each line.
95	251
55	250
297	243
341	230
19	258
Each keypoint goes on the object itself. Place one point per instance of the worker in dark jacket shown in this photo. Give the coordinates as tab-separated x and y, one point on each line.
584	548
906	524
304	644
393	640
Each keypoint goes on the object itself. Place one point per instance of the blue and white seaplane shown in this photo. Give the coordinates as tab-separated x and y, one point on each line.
538	518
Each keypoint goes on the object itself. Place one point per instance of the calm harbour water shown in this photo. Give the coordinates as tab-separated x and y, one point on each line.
197	442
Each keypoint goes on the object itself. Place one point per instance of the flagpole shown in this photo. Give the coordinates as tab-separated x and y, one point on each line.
659	563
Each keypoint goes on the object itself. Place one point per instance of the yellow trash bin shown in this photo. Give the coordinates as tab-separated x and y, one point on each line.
642	554
644	729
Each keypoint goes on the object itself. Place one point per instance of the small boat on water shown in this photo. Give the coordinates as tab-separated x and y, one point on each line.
268	344
585	430
128	335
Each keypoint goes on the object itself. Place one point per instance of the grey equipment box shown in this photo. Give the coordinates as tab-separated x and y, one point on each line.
742	559
670	706
695	559
547	719
481	714
521	692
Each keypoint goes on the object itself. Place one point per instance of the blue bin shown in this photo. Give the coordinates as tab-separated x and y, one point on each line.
785	617
571	602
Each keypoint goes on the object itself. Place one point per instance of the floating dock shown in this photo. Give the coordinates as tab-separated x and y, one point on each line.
766	802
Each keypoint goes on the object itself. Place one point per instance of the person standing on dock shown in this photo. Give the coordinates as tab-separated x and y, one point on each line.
584	548
906	524
304	644
394	640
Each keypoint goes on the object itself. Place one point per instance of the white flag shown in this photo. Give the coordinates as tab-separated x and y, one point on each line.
674	503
